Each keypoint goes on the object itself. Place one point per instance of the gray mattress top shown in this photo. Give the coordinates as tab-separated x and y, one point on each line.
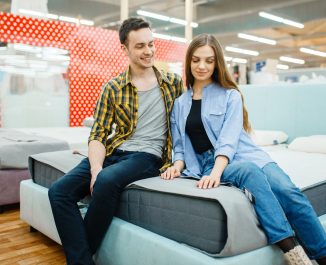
16	147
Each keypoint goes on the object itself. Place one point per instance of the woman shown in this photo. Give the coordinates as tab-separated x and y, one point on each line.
210	140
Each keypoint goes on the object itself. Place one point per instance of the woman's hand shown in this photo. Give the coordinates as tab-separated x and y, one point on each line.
208	182
171	173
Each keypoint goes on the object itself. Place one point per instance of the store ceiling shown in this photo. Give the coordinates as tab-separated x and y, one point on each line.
223	18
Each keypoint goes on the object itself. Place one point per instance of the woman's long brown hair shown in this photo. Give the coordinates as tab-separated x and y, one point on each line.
221	74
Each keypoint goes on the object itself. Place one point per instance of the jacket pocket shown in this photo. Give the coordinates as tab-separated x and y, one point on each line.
216	119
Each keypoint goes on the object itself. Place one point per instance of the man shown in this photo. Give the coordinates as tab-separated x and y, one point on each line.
139	102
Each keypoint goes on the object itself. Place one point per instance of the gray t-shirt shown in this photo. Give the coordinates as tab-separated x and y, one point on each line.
150	133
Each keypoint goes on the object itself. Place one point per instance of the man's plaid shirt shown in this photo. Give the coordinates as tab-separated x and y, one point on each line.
118	104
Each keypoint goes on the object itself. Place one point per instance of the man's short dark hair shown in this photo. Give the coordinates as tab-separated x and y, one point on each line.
130	24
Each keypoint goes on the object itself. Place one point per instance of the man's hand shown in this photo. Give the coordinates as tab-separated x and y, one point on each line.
208	182
171	173
94	173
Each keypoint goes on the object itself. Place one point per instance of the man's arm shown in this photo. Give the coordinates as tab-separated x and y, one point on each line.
103	118
96	156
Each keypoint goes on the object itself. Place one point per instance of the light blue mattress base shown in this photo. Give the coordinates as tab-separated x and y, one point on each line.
127	244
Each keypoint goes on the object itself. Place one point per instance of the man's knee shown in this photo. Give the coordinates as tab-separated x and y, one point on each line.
106	181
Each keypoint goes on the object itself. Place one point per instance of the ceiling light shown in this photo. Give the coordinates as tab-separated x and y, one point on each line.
238	50
162	36
152	15
227	58
52	16
169	37
31	12
86	22
239	60
281	20
254	38
291	60
178	39
314	52
166	18
69	19
282	66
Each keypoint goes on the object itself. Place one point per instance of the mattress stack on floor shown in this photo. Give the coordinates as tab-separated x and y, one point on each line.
160	215
15	148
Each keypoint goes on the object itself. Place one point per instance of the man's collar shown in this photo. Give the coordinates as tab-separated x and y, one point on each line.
126	78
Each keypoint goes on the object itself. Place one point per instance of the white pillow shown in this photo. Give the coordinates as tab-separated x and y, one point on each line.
310	144
88	122
263	138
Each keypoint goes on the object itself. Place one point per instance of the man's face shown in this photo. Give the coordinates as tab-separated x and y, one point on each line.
140	48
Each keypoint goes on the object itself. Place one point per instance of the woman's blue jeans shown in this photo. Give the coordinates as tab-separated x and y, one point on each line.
280	206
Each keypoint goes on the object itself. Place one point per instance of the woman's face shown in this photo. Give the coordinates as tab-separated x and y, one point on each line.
203	63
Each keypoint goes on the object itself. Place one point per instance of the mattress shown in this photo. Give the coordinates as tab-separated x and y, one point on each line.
9	184
76	137
307	171
17	146
199	223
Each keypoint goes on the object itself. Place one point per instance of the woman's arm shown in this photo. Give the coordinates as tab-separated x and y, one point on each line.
213	180
227	142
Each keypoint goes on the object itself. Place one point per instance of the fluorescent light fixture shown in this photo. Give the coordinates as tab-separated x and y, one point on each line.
291	60
282	66
314	52
86	22
239	60
166	18
258	39
152	15
238	50
178	39
31	12
27	48
52	16
227	58
161	36
169	37
69	19
281	20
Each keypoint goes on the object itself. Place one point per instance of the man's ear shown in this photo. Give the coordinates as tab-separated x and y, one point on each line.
124	49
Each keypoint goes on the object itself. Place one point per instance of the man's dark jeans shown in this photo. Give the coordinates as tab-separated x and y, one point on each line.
81	238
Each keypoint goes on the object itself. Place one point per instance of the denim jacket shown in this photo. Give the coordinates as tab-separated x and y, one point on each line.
222	117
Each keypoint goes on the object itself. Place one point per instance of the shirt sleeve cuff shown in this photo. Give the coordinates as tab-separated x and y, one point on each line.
178	156
225	151
98	138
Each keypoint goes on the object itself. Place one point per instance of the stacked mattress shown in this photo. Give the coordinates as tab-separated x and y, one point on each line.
15	148
205	220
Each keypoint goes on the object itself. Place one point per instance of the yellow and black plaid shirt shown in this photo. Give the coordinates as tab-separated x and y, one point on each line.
118	104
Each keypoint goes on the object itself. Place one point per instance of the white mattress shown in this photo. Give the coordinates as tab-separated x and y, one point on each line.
305	169
76	137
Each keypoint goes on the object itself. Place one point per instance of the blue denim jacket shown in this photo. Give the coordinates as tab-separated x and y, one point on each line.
222	118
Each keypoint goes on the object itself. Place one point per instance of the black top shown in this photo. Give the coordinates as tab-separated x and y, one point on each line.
195	129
